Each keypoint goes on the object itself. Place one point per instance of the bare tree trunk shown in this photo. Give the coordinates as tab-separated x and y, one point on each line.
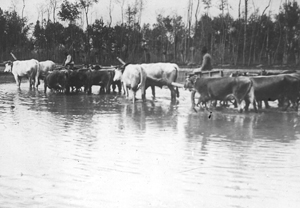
122	10
238	38
141	11
285	49
110	16
23	9
261	51
251	44
189	19
196	13
245	32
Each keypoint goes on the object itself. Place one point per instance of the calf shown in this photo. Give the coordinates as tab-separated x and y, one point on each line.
27	68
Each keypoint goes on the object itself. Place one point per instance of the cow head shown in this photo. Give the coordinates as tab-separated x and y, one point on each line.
118	74
190	81
8	66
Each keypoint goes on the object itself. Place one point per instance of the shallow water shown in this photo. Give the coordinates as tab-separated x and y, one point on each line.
103	151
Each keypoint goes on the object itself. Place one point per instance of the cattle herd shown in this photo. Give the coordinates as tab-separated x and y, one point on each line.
252	88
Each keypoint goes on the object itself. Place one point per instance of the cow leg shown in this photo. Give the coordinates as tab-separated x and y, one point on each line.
266	104
173	93
153	91
18	80
133	96
259	104
287	105
120	87
113	87
124	88
30	83
239	106
215	103
37	79
45	86
177	92
238	102
193	98
143	93
108	88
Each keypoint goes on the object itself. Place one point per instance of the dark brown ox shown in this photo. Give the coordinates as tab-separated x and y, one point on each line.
101	78
56	80
277	87
220	88
78	78
162	74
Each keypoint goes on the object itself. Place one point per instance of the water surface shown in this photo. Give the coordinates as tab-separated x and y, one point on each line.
103	151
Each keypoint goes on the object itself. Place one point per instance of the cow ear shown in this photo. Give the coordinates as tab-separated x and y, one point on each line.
8	62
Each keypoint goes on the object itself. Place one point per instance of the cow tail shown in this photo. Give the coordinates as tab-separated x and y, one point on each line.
142	78
37	74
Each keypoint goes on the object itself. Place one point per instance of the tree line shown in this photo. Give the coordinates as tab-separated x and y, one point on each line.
247	40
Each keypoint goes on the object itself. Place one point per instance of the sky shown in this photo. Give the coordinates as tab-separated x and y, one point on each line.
151	9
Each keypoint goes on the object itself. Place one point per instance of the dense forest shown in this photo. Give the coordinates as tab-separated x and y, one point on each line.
250	39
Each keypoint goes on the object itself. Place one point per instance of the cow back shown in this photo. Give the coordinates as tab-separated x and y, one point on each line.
167	71
220	87
25	68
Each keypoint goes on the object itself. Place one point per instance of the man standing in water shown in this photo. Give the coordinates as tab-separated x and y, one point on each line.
206	62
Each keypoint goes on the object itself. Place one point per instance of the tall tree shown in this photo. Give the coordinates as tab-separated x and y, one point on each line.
85	5
68	11
245	32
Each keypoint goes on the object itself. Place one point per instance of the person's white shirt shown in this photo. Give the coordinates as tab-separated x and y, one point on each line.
69	60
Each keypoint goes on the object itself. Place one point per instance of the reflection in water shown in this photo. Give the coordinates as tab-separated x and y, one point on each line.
104	151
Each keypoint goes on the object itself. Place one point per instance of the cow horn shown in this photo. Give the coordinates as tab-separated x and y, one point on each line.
121	61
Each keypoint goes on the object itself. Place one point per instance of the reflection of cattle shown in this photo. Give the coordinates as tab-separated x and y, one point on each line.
27	68
78	78
133	77
161	74
46	66
220	88
101	78
56	80
276	87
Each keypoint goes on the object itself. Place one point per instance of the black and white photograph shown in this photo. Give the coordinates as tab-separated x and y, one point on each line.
149	103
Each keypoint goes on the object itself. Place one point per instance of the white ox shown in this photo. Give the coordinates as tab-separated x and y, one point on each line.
133	77
46	66
162	74
27	68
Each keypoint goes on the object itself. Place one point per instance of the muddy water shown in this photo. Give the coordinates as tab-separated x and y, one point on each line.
104	151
